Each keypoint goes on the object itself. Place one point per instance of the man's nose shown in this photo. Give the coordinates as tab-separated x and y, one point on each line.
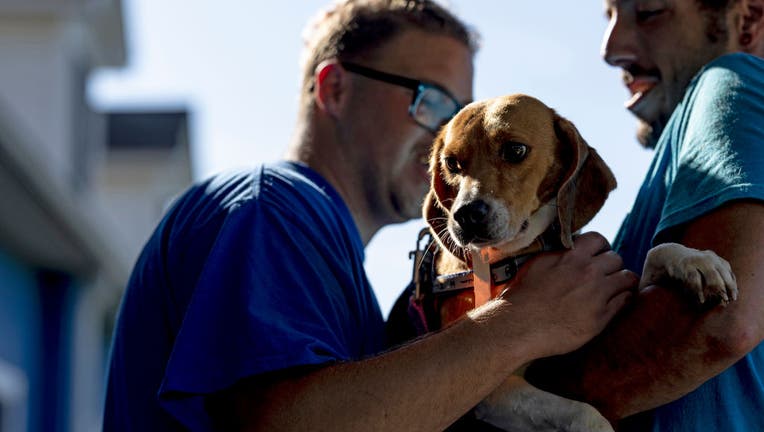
619	43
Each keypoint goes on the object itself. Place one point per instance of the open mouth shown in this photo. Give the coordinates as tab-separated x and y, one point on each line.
639	88
640	82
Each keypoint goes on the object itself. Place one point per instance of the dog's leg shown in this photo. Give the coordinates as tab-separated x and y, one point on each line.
518	406
703	274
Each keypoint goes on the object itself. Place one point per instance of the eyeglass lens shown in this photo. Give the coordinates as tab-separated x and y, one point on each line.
432	107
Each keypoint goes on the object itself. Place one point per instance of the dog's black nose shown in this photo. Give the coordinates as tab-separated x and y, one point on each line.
472	217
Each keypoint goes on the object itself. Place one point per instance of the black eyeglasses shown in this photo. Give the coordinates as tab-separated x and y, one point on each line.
432	105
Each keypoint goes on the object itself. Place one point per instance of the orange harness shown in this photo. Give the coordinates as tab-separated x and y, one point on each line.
488	277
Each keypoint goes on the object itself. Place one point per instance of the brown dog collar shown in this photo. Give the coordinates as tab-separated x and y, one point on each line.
501	271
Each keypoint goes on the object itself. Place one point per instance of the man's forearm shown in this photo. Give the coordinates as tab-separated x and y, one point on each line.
433	381
652	354
664	346
412	388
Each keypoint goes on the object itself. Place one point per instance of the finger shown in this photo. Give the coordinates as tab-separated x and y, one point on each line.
620	282
592	243
609	262
617	303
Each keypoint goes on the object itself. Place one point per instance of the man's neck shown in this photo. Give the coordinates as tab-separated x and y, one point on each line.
330	163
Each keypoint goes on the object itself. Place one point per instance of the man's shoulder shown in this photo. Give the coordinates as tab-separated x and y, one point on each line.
281	192
733	69
241	187
725	85
292	177
291	187
737	60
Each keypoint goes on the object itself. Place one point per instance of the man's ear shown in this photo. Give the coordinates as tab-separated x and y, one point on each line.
330	87
587	182
751	26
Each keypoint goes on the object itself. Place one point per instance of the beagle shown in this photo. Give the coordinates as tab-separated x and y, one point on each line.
511	177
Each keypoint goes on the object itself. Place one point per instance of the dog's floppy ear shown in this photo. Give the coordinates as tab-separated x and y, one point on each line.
434	209
587	183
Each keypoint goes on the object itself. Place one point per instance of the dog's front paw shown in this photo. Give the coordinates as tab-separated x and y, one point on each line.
586	418
518	406
704	274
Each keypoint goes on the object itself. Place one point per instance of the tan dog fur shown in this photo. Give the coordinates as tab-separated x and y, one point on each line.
560	170
560	180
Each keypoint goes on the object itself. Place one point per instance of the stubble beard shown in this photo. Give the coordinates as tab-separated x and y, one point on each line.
717	33
647	135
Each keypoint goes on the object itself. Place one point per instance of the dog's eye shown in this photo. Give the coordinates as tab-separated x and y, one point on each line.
513	152
452	165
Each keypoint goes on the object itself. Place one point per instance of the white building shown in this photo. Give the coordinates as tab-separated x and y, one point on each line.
81	191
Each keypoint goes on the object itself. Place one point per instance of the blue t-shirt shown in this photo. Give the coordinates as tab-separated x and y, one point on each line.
711	153
247	273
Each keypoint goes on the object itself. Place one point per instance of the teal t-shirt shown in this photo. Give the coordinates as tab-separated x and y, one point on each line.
711	152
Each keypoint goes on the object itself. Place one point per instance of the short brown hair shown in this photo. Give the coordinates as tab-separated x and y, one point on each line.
350	29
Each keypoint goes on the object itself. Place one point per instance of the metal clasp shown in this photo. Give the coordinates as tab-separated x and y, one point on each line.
423	258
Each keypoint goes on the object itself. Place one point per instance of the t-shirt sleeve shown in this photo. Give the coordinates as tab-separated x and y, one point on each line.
268	298
720	158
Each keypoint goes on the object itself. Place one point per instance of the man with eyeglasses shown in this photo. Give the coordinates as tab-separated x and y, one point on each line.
249	307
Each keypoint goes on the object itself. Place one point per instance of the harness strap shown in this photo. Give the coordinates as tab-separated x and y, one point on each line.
429	286
428	281
501	272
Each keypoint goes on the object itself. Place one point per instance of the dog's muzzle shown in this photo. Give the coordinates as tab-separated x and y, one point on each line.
471	222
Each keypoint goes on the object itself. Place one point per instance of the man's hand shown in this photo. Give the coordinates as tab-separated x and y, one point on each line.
566	298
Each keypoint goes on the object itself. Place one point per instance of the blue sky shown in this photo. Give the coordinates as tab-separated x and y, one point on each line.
234	65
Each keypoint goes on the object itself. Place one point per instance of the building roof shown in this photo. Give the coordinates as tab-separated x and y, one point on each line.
145	130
